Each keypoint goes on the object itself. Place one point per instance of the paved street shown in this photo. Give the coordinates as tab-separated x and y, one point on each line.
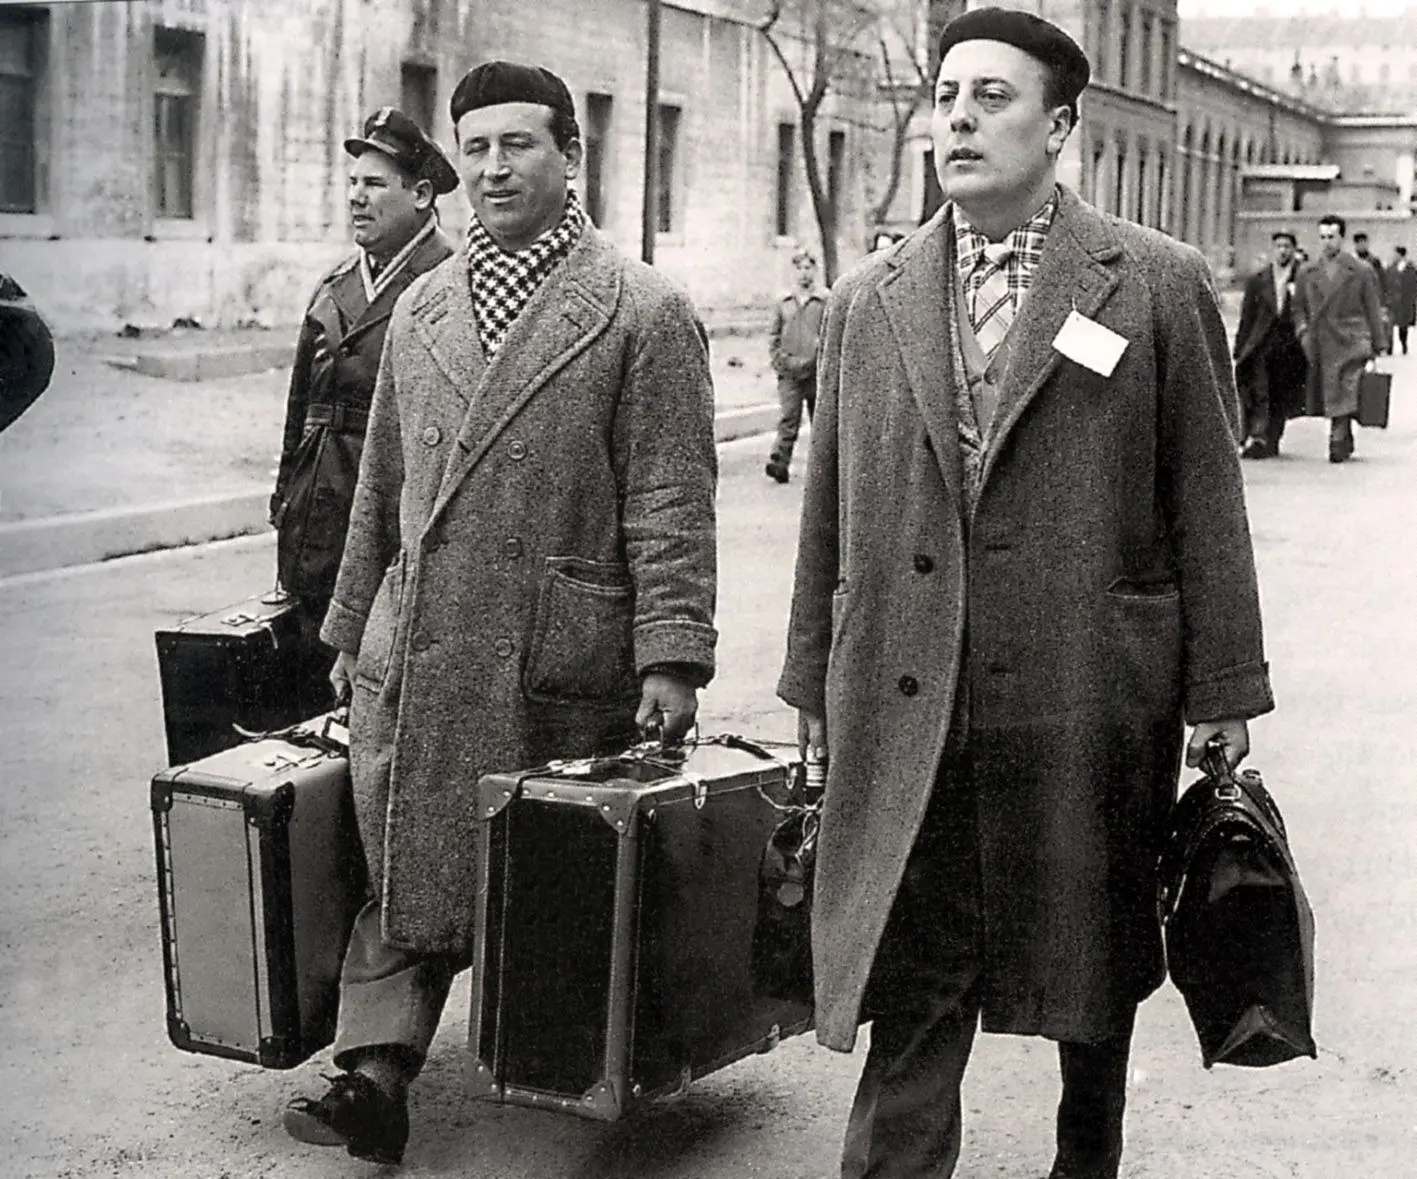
90	1087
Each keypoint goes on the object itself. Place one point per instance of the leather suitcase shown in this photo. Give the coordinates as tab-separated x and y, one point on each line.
1374	397
260	875
241	665
613	936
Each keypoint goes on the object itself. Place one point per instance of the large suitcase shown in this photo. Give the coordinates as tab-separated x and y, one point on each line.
260	874
242	665
613	935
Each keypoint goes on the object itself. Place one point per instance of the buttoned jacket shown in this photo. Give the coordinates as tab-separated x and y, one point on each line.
530	533
1101	592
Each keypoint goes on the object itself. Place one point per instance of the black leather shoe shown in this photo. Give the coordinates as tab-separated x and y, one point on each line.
776	470
355	1113
1255	448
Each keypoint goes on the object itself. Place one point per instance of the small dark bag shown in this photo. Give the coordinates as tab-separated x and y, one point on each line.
1239	929
782	937
1374	397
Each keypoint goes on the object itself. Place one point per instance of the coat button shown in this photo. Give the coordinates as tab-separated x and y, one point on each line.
512	546
924	563
432	436
908	685
422	641
503	647
517	450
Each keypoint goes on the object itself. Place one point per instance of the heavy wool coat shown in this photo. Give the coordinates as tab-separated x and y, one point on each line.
1103	591
529	535
1400	293
1340	325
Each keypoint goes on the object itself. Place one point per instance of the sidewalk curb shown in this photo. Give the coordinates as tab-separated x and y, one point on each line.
83	538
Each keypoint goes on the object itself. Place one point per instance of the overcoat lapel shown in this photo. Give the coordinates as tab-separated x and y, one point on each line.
424	258
570	308
1073	274
913	296
1348	269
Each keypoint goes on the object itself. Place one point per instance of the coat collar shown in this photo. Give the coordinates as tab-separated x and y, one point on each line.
347	288
1076	272
569	310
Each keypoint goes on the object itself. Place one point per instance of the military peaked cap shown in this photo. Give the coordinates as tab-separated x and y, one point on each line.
1037	37
495	82
392	133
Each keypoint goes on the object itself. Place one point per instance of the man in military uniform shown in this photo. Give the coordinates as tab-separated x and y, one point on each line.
396	176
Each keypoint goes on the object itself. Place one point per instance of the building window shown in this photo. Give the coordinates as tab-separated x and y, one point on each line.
1124	49
418	93
176	100
836	174
1146	47
668	158
1119	193
1095	188
1163	197
22	43
1103	38
1143	198
786	169
597	138
1168	56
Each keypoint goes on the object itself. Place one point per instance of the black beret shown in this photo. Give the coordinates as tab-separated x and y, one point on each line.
1037	37
495	82
1279	233
392	133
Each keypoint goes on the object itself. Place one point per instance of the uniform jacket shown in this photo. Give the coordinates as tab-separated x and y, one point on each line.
336	361
1340	325
529	535
1268	359
1400	293
1110	594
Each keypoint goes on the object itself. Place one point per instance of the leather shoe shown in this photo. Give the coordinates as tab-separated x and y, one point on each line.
776	470
354	1113
1255	448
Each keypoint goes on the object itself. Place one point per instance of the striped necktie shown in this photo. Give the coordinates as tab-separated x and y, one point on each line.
991	309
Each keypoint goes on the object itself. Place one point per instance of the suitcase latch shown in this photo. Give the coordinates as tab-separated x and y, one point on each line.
699	786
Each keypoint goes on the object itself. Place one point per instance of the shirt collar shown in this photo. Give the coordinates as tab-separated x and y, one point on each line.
374	284
1026	240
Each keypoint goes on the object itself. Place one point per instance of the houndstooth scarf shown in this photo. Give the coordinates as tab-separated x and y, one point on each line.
502	283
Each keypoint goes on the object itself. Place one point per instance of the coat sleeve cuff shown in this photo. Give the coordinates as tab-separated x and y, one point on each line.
343	629
1237	693
803	689
675	641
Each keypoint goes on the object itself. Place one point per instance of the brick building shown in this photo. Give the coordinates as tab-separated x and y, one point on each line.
182	157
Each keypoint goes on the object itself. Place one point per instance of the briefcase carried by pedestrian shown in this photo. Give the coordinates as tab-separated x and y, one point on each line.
612	940
1239	929
260	874
1374	396
239	666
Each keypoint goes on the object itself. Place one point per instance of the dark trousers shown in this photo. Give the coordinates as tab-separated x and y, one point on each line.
923	1001
1402	336
792	394
316	658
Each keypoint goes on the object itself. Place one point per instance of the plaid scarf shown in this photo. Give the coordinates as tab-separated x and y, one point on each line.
1019	267
502	283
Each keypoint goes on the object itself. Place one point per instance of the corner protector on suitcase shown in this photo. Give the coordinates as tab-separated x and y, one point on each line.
492	794
270	812
603	1102
161	794
280	1052
480	1081
180	1034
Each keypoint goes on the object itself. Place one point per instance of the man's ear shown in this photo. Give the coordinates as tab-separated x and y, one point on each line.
1062	120
574	154
423	195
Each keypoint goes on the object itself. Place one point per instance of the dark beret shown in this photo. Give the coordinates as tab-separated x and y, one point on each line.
1279	233
1037	37
495	82
392	133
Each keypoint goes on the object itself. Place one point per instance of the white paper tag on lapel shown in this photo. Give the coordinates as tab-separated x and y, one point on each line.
1090	344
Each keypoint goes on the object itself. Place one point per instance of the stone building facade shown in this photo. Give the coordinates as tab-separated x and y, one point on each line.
182	157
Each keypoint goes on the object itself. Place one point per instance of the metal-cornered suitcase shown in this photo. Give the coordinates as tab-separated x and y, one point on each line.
612	939
241	665
260	875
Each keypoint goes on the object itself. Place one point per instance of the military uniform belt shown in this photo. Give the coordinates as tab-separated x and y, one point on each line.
338	417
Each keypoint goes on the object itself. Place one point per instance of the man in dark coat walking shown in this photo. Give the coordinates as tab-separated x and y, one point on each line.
531	565
395	179
1024	566
1269	364
1338	315
1400	293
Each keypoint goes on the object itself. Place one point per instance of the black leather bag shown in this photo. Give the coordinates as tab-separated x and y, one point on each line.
1374	397
782	937
1239	929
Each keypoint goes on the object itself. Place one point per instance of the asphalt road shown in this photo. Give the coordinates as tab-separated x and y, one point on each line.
90	1087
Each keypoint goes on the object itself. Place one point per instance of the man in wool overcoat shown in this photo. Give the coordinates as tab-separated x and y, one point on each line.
1024	568
530	569
1338	315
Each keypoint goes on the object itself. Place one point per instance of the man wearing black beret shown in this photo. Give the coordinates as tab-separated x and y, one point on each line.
1024	567
530	570
395	178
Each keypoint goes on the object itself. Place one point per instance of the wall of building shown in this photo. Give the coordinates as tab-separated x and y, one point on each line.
278	88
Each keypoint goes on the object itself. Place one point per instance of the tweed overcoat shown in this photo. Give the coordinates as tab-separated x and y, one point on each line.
528	536
1340	326
1104	588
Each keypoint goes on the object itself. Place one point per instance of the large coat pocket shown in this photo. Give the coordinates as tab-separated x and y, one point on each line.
1145	640
376	648
582	642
